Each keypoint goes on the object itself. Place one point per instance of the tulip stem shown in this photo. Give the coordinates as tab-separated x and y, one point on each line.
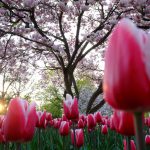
6	146
74	133
18	145
138	123
128	138
39	138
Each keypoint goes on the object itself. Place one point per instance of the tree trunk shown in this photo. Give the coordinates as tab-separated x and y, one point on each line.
93	98
68	83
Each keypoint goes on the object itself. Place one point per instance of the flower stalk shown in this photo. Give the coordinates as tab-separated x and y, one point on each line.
138	122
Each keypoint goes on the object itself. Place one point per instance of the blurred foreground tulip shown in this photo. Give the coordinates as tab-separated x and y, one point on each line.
127	72
71	108
19	123
2	137
79	135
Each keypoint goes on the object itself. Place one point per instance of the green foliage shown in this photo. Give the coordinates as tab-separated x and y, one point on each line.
50	139
52	101
54	106
84	82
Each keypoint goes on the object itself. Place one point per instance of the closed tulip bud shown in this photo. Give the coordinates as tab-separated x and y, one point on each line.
51	123
147	139
104	129
91	123
64	128
124	122
82	117
112	126
71	108
98	117
133	147
57	123
80	123
64	118
41	119
104	121
79	135
127	72
20	120
48	116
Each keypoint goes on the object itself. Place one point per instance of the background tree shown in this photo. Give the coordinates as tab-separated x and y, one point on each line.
65	33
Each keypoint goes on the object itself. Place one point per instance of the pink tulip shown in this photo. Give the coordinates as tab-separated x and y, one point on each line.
124	122
98	117
91	122
79	135
80	123
41	119
112	126
133	147
57	123
104	129
71	108
20	120
147	139
48	116
51	123
64	128
64	118
83	117
127	72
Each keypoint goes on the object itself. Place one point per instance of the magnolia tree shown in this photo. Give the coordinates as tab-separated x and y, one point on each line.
14	68
65	33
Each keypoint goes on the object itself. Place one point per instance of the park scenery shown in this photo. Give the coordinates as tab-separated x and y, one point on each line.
74	74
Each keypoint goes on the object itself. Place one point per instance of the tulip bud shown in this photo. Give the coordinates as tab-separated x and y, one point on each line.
91	123
98	117
104	129
41	119
80	123
147	139
79	135
133	147
121	119
48	116
64	128
71	108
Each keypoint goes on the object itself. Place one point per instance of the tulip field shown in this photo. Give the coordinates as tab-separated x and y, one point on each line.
51	140
25	128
